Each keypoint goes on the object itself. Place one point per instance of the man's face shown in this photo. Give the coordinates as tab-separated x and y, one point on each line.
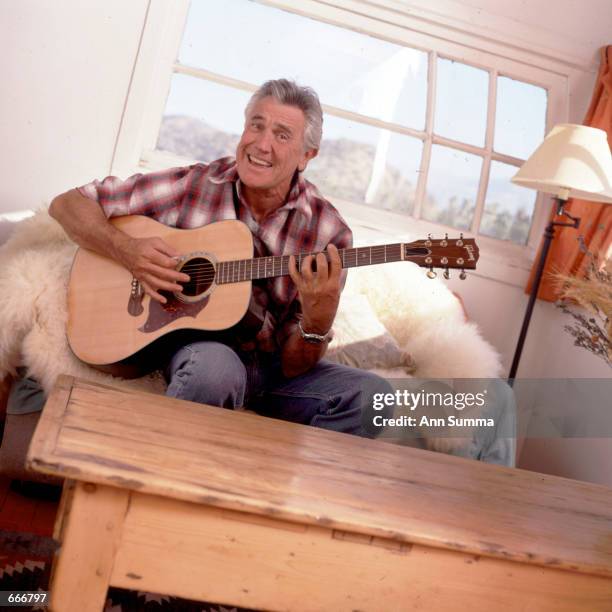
272	147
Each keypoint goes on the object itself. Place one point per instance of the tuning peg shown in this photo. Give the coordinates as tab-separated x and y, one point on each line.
429	236
446	236
463	275
431	273
446	274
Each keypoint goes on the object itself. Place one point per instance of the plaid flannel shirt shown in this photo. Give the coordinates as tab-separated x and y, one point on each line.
193	196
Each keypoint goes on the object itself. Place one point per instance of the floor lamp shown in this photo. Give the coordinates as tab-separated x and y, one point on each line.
573	162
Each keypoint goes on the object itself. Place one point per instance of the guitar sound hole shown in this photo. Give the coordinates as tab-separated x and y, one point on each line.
202	275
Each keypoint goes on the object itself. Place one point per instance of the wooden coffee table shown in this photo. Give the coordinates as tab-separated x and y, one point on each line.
199	502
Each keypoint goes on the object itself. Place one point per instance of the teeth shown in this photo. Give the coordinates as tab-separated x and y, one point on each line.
259	162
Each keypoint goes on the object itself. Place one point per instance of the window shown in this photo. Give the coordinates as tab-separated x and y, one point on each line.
416	126
372	151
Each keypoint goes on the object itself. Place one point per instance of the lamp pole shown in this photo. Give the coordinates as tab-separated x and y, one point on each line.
549	234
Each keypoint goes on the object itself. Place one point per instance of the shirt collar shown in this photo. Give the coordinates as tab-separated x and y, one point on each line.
298	198
224	171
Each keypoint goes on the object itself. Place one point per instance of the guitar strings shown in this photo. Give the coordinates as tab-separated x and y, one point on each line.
374	251
203	273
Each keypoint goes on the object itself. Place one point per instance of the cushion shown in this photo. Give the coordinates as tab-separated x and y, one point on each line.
25	396
361	340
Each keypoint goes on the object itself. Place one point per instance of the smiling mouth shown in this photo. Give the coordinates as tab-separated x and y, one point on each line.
258	163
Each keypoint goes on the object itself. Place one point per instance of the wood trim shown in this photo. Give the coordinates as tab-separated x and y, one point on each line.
146	96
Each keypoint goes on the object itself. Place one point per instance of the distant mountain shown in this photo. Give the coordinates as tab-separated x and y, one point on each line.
343	167
193	138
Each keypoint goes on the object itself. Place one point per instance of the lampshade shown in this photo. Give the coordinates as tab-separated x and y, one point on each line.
573	161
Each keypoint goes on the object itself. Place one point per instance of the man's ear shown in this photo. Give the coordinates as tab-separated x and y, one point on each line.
308	155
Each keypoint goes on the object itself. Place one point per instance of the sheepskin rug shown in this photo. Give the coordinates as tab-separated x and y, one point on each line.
35	266
426	320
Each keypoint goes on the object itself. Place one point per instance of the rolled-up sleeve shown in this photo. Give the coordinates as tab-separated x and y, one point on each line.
157	194
344	240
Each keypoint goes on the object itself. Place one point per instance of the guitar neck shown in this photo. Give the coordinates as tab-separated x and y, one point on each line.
267	267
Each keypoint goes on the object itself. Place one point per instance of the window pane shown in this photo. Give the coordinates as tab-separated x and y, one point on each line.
452	187
461	102
521	117
202	120
364	164
508	209
347	69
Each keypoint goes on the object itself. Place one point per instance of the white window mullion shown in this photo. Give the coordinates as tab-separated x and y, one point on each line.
507	159
460	146
486	162
482	188
146	97
429	121
543	204
207	75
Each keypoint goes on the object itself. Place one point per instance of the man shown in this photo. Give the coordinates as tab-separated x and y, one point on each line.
272	361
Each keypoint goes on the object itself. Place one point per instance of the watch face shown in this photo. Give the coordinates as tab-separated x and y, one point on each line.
313	340
310	337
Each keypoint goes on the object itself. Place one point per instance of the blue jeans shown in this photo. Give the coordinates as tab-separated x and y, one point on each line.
329	395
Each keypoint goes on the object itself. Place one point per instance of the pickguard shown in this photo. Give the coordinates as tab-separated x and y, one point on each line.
160	315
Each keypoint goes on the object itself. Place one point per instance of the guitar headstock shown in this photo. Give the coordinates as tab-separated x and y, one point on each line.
447	253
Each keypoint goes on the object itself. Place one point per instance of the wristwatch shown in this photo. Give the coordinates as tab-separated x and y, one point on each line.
313	338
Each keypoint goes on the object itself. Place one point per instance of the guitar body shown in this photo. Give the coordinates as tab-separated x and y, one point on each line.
112	323
106	325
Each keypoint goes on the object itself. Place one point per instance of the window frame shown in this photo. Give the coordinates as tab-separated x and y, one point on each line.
157	62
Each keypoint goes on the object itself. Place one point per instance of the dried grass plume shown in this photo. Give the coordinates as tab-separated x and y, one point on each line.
592	294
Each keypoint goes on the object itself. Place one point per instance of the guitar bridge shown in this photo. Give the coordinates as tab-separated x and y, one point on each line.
135	307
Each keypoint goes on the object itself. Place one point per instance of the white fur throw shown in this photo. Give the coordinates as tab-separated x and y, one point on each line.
34	269
426	320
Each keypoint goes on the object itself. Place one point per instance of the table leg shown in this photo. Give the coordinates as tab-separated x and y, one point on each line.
91	528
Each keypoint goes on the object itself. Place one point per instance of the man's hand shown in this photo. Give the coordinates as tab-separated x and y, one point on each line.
153	262
150	260
318	290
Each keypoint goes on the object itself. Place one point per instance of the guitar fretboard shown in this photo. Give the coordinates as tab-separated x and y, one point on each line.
267	267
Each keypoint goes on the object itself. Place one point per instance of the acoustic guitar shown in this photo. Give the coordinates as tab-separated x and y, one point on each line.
110	319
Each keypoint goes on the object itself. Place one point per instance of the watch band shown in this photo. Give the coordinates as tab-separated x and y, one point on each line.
313	338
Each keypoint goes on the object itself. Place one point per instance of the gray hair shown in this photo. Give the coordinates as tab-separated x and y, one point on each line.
292	94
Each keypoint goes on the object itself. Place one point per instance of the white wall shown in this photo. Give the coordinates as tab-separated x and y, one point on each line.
66	69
